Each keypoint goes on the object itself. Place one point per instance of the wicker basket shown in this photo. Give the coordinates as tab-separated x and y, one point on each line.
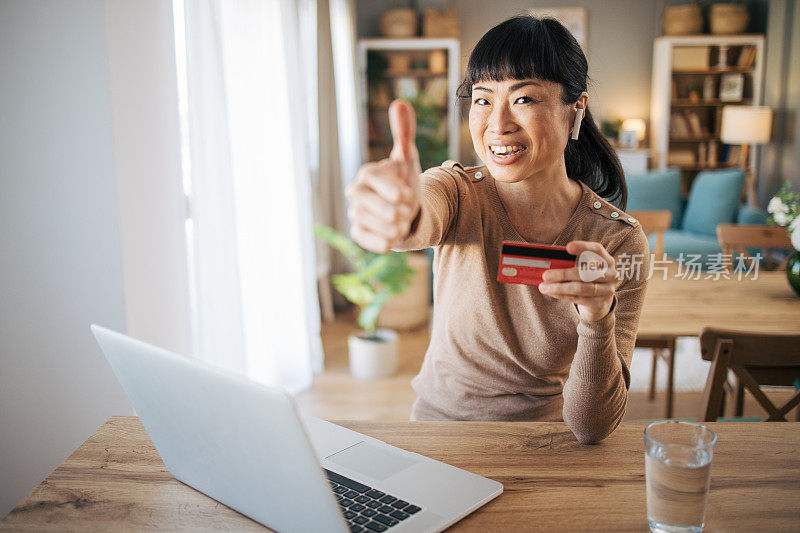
683	20
410	310
440	23
728	19
399	23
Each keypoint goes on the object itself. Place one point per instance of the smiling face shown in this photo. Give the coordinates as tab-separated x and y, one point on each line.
519	127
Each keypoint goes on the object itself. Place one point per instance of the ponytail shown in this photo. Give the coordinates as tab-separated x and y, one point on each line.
591	160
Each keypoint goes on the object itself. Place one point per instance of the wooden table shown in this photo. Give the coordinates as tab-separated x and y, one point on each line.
116	480
676	307
682	307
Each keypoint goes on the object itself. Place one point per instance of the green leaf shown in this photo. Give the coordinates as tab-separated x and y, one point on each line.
397	274
374	266
353	252
375	277
369	313
354	289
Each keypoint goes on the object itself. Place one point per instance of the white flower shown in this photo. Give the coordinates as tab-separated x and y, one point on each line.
776	205
795	235
795	224
781	218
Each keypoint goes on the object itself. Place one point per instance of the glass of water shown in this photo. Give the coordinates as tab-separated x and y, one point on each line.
678	471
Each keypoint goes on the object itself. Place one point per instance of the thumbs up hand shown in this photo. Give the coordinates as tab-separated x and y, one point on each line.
385	197
403	123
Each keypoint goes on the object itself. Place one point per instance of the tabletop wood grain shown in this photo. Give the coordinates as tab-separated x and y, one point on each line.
116	480
682	307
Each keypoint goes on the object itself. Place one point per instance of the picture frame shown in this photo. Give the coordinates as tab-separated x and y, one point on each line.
731	87
628	139
573	18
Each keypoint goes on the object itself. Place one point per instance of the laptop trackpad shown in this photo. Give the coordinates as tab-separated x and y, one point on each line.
373	461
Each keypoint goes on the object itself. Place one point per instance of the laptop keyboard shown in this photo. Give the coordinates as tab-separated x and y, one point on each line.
367	509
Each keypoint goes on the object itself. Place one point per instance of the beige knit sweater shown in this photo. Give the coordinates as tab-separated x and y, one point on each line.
504	351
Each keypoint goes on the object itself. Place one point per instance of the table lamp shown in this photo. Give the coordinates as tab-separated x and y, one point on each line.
746	125
631	133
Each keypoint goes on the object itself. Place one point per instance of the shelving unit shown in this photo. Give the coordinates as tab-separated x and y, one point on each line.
380	84
692	95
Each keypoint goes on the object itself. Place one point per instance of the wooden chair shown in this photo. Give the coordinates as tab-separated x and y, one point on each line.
663	346
656	221
757	359
736	238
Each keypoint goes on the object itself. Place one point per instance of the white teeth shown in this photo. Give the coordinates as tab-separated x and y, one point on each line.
506	149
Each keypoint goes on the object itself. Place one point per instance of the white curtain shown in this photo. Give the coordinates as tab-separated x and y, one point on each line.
250	141
352	140
329	202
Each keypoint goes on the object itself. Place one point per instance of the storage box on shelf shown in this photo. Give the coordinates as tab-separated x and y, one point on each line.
694	77
422	70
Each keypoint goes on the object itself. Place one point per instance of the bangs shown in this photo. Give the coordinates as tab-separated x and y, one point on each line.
520	48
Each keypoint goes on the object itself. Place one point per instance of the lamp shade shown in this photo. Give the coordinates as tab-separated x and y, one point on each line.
634	124
745	124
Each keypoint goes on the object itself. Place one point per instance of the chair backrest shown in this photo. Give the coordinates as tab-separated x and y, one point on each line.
757	359
655	221
736	238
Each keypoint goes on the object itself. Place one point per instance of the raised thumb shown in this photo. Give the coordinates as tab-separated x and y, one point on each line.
403	123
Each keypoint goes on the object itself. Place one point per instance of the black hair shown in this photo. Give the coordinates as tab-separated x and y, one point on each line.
528	47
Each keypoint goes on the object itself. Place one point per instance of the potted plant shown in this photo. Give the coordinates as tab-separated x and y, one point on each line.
375	278
784	209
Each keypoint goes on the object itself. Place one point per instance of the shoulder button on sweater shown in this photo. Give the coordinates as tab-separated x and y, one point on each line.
475	174
609	211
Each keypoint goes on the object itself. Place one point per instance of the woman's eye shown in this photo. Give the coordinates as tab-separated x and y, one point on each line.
481	101
524	100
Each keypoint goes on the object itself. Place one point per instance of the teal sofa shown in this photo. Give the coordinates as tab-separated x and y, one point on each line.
714	198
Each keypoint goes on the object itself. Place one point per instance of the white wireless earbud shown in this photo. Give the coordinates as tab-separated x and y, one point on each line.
576	127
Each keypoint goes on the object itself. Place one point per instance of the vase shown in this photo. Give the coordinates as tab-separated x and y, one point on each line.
374	356
793	271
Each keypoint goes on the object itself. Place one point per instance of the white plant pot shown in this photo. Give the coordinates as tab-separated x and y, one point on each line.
370	359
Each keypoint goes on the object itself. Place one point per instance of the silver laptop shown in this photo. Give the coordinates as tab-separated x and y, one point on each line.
243	444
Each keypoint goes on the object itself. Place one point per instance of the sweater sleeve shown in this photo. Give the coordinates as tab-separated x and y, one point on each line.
596	391
438	209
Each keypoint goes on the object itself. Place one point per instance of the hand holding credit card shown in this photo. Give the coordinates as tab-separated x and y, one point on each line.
525	263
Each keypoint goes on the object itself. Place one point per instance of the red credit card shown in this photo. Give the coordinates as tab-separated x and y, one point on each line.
525	263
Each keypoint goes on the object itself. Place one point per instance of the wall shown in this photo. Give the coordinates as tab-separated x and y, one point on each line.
60	266
780	160
91	217
790	166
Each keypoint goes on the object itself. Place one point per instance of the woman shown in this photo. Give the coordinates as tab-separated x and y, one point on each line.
506	351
